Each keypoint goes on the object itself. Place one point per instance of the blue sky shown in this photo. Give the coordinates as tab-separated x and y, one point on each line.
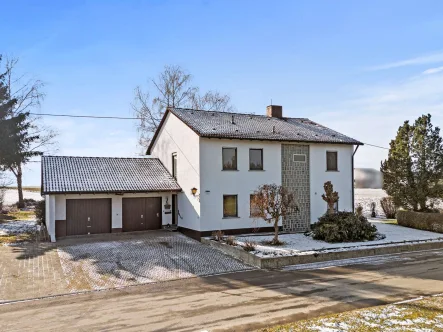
361	68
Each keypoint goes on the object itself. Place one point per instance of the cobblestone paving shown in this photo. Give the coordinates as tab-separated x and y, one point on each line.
30	270
140	258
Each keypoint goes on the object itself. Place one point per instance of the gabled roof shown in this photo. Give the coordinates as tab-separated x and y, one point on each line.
255	127
105	175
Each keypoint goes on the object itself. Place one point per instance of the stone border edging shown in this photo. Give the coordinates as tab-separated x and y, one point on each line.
277	262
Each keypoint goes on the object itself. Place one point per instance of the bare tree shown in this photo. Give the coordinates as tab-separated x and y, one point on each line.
272	202
172	88
28	95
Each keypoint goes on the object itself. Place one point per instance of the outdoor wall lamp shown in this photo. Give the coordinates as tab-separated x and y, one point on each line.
193	191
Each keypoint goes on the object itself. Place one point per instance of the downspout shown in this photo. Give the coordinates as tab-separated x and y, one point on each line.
353	184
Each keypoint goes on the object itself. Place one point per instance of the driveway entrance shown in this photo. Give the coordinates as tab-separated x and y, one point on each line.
116	260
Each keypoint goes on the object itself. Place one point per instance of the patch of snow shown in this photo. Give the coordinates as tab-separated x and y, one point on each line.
365	196
300	244
18	227
11	196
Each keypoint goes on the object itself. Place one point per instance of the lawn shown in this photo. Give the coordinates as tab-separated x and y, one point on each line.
421	315
18	215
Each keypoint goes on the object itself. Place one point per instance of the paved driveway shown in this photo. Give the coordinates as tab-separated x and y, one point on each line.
130	259
35	270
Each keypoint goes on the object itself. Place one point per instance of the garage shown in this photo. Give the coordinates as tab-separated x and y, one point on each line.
94	195
140	214
88	216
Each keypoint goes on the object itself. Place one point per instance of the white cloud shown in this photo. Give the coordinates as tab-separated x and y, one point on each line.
433	70
375	115
86	137
421	60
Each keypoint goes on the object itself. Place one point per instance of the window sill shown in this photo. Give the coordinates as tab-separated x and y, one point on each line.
332	170
231	217
230	170
257	170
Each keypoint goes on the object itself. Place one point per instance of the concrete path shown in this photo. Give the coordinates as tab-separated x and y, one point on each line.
241	301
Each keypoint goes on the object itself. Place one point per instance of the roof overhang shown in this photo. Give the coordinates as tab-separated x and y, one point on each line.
110	192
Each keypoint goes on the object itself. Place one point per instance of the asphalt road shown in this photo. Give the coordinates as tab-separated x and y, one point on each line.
237	302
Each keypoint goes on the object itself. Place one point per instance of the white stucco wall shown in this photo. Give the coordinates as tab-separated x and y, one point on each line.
50	208
176	137
59	206
342	179
215	182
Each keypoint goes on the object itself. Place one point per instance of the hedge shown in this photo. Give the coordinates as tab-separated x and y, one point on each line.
420	220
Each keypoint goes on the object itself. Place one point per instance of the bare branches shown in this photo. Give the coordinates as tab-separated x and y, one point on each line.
172	88
27	91
272	202
211	101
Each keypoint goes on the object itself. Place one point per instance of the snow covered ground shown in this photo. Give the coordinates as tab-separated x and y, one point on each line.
18	227
422	314
300	244
11	196
365	197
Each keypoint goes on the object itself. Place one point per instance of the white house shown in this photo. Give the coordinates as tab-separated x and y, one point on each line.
219	159
203	168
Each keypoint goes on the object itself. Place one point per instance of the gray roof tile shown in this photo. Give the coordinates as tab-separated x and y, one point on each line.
98	174
260	127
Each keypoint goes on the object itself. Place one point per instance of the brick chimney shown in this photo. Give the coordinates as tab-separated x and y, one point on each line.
274	111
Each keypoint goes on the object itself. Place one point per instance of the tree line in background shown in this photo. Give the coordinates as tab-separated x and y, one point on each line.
22	136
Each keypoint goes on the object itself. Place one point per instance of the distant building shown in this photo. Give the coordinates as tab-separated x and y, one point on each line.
368	178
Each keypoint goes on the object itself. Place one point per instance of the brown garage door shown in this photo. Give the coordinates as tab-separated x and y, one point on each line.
88	216
140	214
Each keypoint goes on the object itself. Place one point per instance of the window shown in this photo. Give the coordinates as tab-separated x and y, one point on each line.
331	161
229	159
254	211
256	159
299	158
174	165
230	206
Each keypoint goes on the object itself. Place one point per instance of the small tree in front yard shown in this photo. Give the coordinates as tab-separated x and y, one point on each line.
330	196
272	202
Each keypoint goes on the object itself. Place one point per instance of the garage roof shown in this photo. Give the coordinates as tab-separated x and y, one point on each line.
104	175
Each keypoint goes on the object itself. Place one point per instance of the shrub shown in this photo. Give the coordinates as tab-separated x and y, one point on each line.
249	246
29	202
388	206
420	220
230	240
344	227
40	212
218	235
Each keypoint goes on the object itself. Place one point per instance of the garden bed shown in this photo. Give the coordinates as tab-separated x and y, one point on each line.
300	249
